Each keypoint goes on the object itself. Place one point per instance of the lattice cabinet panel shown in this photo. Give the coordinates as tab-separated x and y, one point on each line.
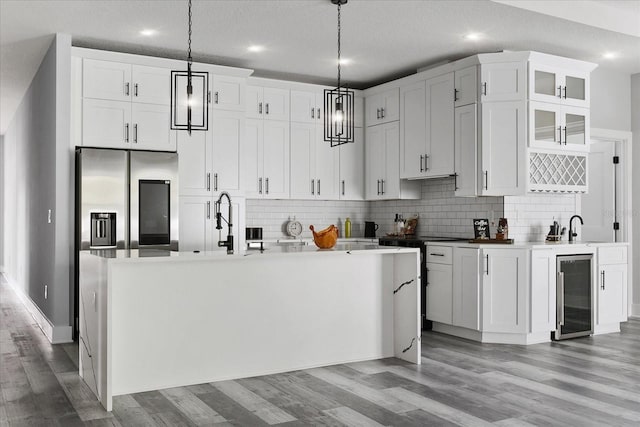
557	172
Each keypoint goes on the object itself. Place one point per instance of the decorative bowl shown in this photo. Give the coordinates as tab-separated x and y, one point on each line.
327	238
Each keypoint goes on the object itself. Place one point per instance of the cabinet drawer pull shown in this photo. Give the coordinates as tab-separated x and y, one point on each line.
436	254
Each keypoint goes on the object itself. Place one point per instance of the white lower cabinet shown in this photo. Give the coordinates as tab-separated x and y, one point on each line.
612	286
504	290
439	295
466	288
543	290
197	223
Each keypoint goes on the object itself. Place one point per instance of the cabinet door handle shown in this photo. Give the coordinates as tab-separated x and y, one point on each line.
487	261
313	113
215	181
215	97
455	95
135	89
208	181
343	187
426	162
565	135
421	159
318	115
486	180
378	187
559	91
560	135
208	209
209	97
382	186
259	107
318	187
455	182
602	286
135	133
126	132
313	187
564	90
267	185
266	108
382	113
259	185
126	88
484	88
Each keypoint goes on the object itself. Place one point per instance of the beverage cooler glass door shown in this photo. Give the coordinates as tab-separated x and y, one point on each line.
574	297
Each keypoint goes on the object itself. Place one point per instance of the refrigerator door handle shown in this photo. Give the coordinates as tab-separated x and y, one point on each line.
560	299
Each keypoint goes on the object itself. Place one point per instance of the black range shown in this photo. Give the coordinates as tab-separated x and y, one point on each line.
419	242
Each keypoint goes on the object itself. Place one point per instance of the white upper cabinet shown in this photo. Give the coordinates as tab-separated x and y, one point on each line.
426	132
548	83
306	106
466	86
267	103
195	163
503	160
228	133
106	123
264	155
151	85
107	80
228	93
503	81
556	126
383	107
466	150
352	168
151	128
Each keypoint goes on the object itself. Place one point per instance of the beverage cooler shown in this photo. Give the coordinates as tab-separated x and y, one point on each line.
574	296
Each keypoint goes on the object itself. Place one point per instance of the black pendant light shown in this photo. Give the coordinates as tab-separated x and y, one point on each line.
338	105
189	91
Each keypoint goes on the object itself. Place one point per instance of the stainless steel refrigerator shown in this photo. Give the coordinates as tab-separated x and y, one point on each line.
126	199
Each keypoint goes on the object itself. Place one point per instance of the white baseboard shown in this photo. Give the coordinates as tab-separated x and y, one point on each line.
55	334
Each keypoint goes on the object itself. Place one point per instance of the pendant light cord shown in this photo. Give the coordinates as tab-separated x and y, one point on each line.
189	59
339	5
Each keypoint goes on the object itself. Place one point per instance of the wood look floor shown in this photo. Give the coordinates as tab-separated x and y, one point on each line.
581	382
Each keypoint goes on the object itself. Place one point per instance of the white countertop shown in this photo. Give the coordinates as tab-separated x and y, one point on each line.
155	255
527	245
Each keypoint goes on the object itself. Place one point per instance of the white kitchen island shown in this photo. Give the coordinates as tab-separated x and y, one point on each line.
153	320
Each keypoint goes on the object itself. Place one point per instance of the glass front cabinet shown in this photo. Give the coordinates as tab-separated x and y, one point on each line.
558	86
556	126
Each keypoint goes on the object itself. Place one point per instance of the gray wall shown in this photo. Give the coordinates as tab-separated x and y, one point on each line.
610	99
38	176
2	160
635	128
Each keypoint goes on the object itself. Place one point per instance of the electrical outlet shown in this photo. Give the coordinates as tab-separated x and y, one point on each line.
46	291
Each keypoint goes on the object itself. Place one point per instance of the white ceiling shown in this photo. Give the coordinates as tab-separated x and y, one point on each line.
382	38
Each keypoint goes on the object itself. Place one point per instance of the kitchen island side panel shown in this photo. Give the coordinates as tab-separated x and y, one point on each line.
190	322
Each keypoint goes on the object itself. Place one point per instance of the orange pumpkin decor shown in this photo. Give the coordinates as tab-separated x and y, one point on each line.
327	238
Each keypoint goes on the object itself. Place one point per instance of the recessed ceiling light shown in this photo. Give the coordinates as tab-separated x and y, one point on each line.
148	32
473	36
610	55
255	48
